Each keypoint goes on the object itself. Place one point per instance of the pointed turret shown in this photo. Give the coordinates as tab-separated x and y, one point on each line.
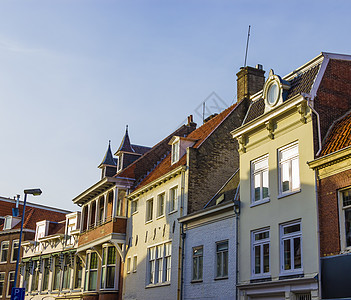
108	164
126	145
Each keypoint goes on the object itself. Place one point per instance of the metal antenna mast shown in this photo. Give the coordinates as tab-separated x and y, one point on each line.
247	45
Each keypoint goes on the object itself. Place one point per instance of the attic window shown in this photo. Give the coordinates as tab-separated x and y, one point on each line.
175	152
8	222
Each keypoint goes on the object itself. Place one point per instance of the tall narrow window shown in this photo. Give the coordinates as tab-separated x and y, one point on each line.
291	248
35	276
173	199
2	282
14	251
27	275
66	272
46	274
222	259
92	270
149	209
175	152
152	252
289	173
134	207
159	263
56	274
129	262
4	251
259	180
197	263
168	253
260	253
108	267
10	282
135	263
345	218
78	273
160	205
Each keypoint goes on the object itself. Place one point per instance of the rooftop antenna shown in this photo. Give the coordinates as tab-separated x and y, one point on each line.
247	45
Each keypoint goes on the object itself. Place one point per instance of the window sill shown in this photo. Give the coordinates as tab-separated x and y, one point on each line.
256	203
157	285
196	281
134	213
173	211
292	274
160	217
259	278
221	278
288	194
147	222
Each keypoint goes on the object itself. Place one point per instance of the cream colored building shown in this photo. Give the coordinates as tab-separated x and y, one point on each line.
283	129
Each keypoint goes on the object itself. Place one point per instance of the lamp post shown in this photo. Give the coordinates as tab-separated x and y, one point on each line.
34	192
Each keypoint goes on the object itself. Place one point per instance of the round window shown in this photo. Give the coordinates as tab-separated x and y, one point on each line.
273	93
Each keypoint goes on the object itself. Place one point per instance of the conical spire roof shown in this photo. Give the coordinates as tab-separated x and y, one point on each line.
108	158
125	145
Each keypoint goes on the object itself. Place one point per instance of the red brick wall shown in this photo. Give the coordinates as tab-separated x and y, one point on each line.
328	211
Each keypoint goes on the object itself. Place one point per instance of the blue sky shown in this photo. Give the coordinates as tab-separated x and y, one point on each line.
74	73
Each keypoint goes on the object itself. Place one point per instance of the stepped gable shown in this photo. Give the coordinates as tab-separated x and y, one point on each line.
144	164
200	134
301	83
339	136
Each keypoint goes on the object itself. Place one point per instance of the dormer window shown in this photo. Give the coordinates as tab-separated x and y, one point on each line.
175	152
8	222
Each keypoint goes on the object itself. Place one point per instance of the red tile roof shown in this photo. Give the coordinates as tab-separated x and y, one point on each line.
200	134
339	136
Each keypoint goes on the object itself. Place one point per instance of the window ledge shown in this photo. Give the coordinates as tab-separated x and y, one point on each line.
253	204
197	281
173	211
147	222
157	285
293	274
221	278
160	217
134	213
288	194
265	277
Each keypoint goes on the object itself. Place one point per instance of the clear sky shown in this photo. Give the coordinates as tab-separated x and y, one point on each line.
74	73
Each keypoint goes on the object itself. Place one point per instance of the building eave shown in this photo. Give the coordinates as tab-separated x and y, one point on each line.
330	159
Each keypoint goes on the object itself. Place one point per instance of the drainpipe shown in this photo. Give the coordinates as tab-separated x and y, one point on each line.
237	213
183	235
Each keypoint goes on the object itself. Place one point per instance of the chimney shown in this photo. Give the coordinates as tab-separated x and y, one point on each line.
249	81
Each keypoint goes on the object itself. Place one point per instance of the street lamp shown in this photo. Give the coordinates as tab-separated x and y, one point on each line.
34	192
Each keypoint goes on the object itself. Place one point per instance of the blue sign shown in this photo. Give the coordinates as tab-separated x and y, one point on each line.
18	293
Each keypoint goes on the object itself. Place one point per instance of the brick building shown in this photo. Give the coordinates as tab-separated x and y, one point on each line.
333	172
9	236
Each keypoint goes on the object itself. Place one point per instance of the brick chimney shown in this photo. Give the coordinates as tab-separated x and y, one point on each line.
249	81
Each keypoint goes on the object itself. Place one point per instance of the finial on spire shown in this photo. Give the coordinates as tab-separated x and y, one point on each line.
109	142
126	128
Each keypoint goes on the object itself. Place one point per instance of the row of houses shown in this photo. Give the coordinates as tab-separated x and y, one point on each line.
253	204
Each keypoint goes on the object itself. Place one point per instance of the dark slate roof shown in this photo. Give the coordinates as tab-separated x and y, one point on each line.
125	144
302	83
108	159
228	191
339	136
140	149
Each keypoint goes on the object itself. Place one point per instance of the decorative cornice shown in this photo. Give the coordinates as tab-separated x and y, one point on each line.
330	159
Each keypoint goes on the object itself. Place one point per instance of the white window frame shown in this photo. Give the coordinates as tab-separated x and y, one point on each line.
149	210
159	264
288	160
2	280
173	199
342	219
35	276
129	262
134	207
13	259
8	292
260	244
220	260
291	237
161	210
45	266
198	258
3	243
8	222
261	173
135	263
175	152
88	270
105	265
66	269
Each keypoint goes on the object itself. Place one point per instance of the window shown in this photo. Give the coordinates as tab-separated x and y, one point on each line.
78	273
197	263
56	274
173	199
291	248
259	180
8	222
2	282
66	274
175	152
14	251
91	272
10	282
108	267
160	205
4	251
129	261
289	174
222	259
27	275
135	263
35	276
159	264
46	273
345	218
260	253
134	207
149	209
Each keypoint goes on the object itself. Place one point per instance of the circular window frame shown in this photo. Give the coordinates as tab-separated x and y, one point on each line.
272	81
